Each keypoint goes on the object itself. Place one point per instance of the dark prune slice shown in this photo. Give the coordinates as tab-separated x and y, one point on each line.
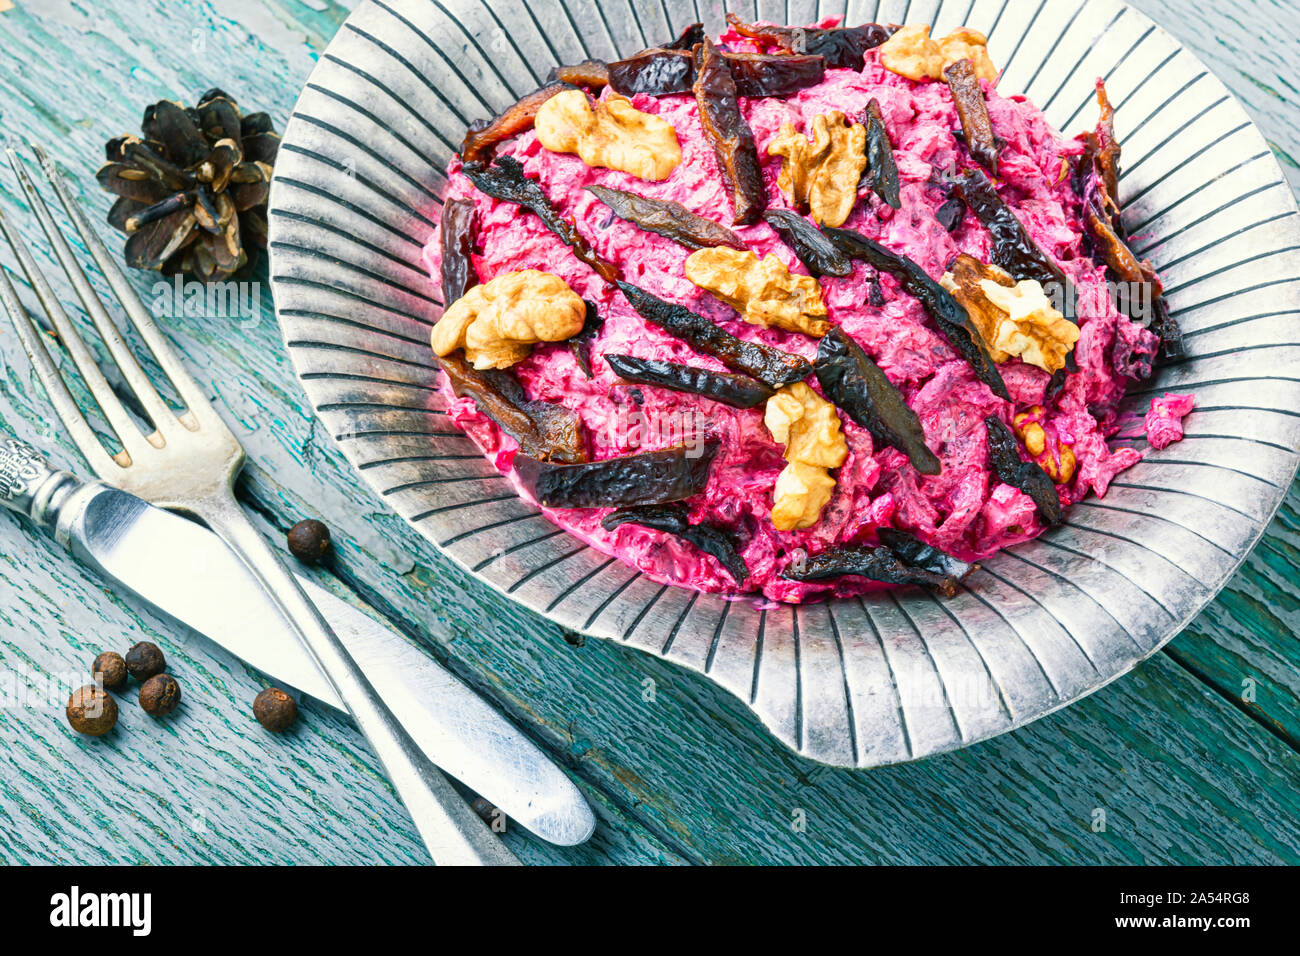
973	111
841	47
767	364
951	213
1011	469
456	240
728	133
666	218
1097	182
483	136
505	180
1013	248
948	314
544	430
761	74
645	478
738	391
913	551
814	250
713	539
593	74
580	344
854	383
877	564
881	173
692	35
660	72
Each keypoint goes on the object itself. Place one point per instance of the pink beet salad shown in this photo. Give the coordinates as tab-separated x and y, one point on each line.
795	312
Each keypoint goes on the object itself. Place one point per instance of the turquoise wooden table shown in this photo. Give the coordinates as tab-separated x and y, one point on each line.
1191	758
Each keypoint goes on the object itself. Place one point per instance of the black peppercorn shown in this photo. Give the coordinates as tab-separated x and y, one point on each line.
309	541
160	695
110	670
145	660
275	710
91	711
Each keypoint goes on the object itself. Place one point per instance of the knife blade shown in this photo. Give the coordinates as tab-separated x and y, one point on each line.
189	574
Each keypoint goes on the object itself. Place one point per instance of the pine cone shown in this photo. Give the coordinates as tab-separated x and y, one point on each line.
192	193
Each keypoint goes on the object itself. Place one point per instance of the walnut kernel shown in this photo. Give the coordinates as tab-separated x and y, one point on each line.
765	292
809	427
1015	319
1054	457
822	173
913	53
496	323
612	135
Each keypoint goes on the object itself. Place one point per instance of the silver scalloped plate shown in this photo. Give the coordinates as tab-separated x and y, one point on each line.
855	682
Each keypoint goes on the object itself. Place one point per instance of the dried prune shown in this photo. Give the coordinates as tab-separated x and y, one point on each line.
767	364
881	173
1013	248
483	136
645	478
973	111
456	239
544	430
1011	469
951	213
762	74
1097	181
580	344
841	47
814	250
590	73
661	72
728	133
915	552
666	218
505	180
687	39
948	314
656	71
738	391
673	519
877	564
857	386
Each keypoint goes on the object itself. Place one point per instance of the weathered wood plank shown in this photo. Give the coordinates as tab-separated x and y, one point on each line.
1182	774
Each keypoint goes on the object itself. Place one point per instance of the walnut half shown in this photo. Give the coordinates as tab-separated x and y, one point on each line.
765	292
1015	319
809	427
497	323
613	135
822	174
913	53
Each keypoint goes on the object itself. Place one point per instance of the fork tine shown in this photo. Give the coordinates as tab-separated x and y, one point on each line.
135	377
187	388
57	390
126	430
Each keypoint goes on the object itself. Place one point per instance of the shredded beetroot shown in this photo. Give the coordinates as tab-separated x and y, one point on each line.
964	510
1165	419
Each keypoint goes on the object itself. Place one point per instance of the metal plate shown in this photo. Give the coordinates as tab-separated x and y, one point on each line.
863	682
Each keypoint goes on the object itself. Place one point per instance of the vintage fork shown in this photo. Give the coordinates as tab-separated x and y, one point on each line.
189	463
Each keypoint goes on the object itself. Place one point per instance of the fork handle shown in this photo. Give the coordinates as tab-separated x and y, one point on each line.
29	484
453	833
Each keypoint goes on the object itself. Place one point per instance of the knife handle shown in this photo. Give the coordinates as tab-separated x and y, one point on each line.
30	485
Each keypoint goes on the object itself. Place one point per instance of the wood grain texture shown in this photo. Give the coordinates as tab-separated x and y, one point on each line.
1185	768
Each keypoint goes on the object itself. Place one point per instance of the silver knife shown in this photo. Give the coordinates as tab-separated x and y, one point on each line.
187	572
